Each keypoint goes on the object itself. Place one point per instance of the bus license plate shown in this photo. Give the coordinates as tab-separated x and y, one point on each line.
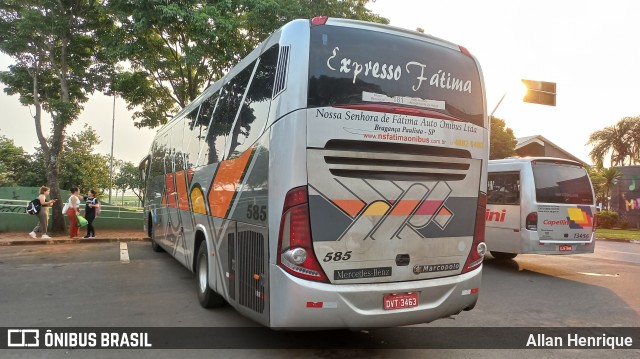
400	301
565	248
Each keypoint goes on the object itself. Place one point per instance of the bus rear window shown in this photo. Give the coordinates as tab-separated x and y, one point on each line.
561	184
356	66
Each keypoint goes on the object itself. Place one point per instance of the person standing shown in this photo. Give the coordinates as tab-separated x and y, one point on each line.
74	211
43	215
92	204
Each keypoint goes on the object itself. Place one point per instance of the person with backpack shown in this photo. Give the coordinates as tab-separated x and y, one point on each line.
43	214
90	211
73	210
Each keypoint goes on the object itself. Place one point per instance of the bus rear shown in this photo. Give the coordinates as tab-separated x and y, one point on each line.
389	227
539	206
565	208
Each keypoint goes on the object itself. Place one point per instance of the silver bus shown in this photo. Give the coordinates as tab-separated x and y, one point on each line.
539	205
335	177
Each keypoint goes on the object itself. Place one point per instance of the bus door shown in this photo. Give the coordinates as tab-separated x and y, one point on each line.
160	190
143	172
504	212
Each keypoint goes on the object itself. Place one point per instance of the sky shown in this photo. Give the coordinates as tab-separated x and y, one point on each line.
591	49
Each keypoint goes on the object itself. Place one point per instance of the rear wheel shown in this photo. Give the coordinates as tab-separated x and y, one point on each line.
154	245
206	296
503	255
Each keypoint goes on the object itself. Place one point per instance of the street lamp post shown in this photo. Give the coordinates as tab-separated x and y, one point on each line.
113	126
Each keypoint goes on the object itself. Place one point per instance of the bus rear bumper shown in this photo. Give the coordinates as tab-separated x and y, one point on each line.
533	245
305	305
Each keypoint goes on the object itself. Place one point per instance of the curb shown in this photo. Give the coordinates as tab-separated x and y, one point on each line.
31	242
634	241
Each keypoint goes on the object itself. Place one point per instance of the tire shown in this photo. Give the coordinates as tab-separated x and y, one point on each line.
502	256
155	246
206	296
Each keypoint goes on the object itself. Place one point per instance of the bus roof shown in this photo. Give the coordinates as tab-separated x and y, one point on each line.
532	159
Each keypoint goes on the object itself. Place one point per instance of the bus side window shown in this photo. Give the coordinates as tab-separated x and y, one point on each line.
216	134
156	172
503	188
255	109
166	144
226	112
157	157
176	140
189	142
198	145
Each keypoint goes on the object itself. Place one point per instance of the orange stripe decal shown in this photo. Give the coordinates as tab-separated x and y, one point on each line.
190	174
181	184
171	190
404	207
351	206
226	183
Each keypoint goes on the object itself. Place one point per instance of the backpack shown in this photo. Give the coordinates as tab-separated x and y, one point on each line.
34	206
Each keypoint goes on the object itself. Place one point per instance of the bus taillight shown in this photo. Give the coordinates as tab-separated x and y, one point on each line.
295	248
478	247
531	223
319	20
465	51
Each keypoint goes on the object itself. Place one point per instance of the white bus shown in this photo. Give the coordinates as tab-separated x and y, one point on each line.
335	177
539	205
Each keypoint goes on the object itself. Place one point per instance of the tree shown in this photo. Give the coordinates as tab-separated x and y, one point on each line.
32	173
621	141
58	53
634	138
595	174
12	158
128	177
502	141
175	49
80	166
610	177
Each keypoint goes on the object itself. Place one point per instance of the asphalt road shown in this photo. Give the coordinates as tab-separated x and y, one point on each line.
92	285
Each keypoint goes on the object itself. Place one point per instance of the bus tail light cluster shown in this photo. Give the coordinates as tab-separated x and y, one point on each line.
319	20
531	223
465	51
478	247
295	248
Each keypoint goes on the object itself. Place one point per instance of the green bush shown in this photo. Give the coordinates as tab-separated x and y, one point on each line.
624	224
607	219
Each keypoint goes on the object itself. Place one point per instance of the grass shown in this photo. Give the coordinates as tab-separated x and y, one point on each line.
625	234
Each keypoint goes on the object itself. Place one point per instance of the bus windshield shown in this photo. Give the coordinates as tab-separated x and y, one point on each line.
345	69
561	184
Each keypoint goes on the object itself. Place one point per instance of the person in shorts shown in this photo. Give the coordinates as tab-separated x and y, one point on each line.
43	215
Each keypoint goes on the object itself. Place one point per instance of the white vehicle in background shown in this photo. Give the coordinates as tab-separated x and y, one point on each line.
539	205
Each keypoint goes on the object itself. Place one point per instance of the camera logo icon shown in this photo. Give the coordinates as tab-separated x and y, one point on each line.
23	338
